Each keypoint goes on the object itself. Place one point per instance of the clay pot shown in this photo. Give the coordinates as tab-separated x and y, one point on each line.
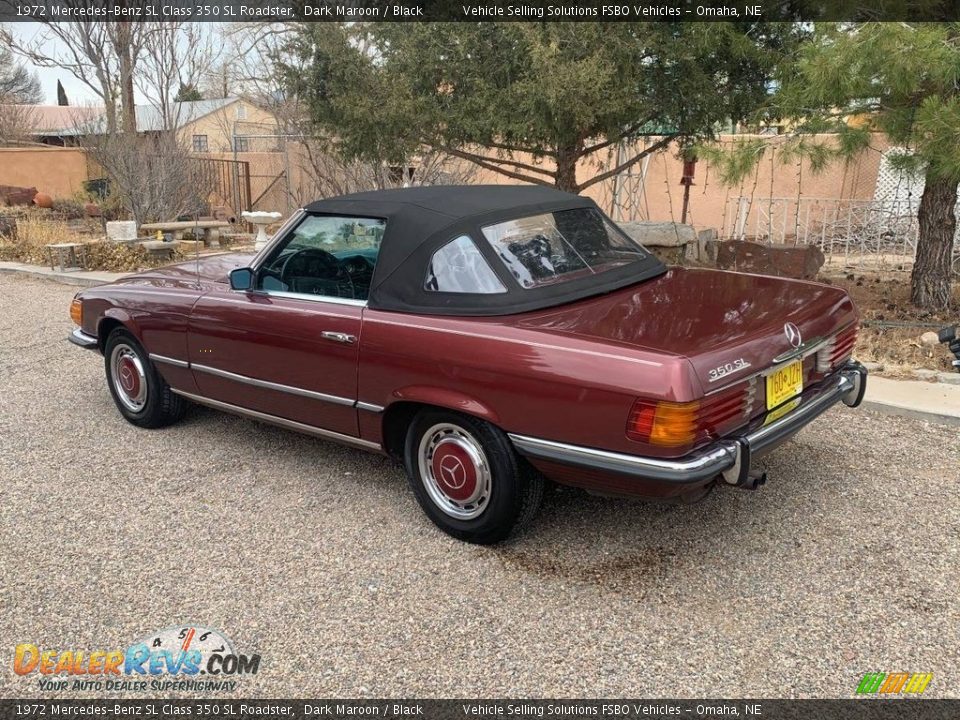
92	209
42	200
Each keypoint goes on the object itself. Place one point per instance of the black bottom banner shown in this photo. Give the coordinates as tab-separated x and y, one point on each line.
867	709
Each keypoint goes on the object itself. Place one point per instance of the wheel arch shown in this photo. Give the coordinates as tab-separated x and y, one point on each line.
110	321
398	414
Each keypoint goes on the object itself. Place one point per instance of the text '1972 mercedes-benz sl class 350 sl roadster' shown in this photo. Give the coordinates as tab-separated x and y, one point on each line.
491	338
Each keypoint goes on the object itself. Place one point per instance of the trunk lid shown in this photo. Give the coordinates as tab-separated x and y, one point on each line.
729	325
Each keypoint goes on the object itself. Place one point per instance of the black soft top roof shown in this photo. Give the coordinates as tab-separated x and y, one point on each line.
420	220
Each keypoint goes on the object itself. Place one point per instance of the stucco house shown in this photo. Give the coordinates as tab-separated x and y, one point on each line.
206	126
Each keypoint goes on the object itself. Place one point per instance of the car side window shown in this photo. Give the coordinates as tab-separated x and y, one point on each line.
460	267
326	255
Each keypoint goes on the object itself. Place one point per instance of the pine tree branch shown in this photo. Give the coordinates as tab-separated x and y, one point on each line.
473	157
479	161
663	142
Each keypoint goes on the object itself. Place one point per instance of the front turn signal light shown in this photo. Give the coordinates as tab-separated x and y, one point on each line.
667	424
76	311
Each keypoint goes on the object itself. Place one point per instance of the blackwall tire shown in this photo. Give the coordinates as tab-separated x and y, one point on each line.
141	395
467	477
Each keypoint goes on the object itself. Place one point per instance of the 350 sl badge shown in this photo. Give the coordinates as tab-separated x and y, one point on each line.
730	367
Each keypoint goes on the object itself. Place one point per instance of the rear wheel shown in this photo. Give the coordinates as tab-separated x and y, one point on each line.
467	477
142	396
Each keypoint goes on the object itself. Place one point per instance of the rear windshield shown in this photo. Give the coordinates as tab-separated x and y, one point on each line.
560	246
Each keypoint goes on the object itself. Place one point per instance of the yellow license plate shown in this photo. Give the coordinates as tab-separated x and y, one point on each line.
785	409
785	383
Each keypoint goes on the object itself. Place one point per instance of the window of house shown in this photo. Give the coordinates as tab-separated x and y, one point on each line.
459	267
241	143
241	112
200	143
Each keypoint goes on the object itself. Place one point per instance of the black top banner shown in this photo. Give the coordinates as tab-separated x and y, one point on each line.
476	10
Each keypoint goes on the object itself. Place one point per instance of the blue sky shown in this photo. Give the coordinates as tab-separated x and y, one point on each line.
77	92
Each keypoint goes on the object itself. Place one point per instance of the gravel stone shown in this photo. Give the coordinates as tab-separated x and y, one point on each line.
318	558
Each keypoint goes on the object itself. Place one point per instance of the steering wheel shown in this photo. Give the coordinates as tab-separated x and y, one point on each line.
331	267
357	265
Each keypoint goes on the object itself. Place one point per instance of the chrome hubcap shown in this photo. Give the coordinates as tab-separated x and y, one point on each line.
455	471
128	377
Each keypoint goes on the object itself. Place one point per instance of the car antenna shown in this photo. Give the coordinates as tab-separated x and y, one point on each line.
196	245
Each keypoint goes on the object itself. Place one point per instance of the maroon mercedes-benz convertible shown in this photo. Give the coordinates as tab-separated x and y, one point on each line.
490	337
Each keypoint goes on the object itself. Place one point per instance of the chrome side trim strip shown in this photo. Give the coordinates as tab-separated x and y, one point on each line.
369	407
311	298
169	360
281	422
336	400
693	468
266	384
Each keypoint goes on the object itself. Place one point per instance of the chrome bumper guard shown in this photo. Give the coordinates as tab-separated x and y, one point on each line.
80	338
730	457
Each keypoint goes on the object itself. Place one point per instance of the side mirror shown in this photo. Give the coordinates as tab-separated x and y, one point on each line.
241	279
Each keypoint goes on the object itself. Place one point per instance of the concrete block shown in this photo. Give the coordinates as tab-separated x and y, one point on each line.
118	230
660	234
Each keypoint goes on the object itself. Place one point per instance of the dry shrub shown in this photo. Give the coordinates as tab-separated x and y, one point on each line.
35	233
119	257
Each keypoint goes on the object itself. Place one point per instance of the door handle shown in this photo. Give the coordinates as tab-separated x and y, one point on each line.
339	337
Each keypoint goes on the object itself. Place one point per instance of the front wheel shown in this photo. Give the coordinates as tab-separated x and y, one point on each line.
142	396
467	477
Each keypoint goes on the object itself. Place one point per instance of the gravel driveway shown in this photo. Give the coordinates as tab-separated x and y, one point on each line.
318	558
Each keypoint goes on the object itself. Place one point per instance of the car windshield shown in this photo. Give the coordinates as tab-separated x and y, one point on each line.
561	246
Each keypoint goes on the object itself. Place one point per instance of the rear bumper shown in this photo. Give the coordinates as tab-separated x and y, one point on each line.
80	338
730	457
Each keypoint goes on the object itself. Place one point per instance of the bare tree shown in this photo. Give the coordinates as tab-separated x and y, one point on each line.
19	89
174	55
325	173
152	175
16	124
258	51
101	55
221	79
254	52
18	86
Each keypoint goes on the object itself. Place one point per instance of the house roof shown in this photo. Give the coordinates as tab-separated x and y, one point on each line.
149	117
51	119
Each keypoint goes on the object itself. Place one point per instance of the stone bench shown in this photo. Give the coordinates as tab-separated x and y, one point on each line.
69	256
671	242
157	248
208	229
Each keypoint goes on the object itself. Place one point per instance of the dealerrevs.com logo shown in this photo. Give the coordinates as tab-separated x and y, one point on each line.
182	658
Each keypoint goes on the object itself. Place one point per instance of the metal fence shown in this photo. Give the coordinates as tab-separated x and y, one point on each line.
217	183
226	184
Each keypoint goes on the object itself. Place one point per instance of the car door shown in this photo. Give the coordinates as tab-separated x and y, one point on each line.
288	345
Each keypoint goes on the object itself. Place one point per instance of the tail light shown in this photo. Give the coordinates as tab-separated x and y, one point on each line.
76	311
838	350
680	425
